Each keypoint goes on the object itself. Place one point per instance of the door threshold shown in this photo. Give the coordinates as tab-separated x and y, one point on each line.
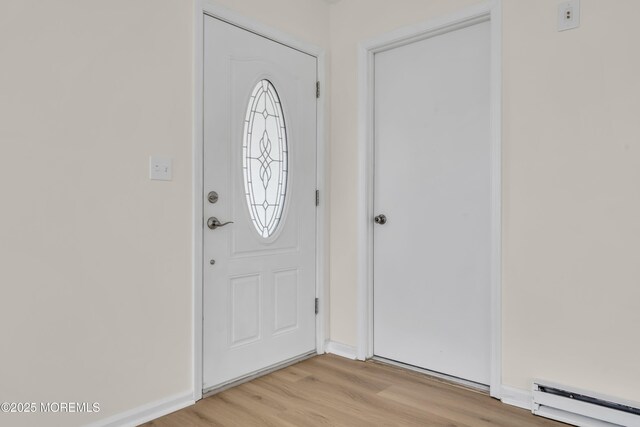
482	388
256	374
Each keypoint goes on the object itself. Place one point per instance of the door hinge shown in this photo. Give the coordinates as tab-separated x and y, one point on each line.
317	89
317	197
317	305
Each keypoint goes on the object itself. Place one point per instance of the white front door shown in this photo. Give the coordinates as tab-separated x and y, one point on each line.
259	173
432	182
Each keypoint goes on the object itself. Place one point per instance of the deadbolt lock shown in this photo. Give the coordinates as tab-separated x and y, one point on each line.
212	197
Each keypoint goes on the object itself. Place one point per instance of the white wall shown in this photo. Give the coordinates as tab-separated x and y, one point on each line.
572	197
571	173
95	259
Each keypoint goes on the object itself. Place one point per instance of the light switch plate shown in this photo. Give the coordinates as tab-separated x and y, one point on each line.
568	15
160	168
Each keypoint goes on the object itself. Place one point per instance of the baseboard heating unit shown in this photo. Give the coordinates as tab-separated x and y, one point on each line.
582	408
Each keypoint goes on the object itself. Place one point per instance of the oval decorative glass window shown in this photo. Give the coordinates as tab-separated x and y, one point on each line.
264	158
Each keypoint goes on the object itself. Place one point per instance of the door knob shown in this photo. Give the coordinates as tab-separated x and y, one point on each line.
214	223
380	219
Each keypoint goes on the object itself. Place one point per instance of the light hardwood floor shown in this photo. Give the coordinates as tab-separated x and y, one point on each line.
329	390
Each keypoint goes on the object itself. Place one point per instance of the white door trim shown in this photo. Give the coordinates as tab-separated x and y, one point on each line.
491	11
211	8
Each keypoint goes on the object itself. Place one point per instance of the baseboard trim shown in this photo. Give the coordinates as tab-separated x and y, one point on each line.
148	412
340	349
517	397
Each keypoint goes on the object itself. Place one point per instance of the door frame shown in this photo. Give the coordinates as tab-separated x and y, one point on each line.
488	11
203	8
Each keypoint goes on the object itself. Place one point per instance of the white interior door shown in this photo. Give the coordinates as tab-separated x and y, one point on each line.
432	182
260	160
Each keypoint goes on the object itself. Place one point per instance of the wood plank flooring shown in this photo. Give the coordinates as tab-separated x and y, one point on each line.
329	390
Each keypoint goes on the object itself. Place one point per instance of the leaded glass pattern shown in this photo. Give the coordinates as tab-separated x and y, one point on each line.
264	158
